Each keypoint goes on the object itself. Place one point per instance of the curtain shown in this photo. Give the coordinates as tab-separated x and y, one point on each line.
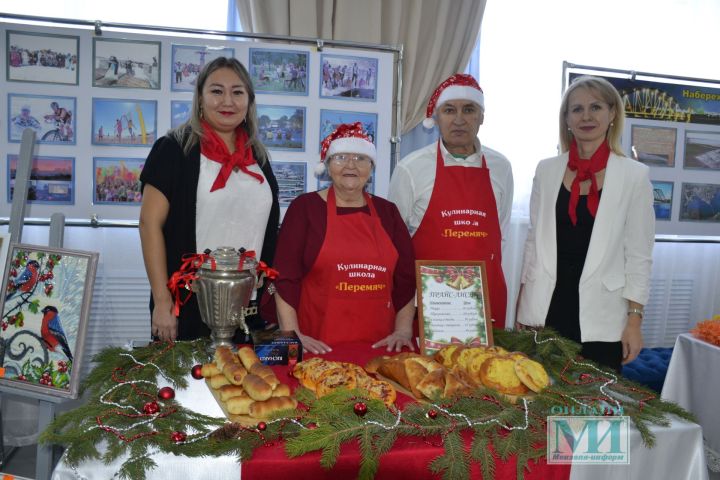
437	36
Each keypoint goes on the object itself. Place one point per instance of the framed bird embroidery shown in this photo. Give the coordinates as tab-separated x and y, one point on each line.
45	306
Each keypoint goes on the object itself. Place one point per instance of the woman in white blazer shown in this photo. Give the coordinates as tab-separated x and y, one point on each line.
586	271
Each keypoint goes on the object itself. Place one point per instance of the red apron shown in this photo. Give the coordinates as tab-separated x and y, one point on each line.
461	223
347	295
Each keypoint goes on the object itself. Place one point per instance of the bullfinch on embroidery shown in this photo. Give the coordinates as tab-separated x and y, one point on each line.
52	331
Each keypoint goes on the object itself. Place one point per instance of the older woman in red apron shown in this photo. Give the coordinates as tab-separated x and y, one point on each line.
345	257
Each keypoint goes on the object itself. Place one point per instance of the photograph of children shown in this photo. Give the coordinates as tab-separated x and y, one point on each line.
279	71
348	78
42	58
188	60
179	112
126	64
654	146
44	318
700	202
330	119
52	118
52	179
281	127
702	150
117	180
127	123
663	194
292	180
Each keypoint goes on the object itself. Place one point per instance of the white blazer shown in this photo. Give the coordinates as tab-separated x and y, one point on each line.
619	257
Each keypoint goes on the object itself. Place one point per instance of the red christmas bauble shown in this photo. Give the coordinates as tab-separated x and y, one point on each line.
196	372
262	426
360	409
166	393
178	437
585	376
312	426
432	414
151	408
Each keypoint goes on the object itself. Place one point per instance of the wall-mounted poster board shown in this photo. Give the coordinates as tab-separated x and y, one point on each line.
98	102
672	126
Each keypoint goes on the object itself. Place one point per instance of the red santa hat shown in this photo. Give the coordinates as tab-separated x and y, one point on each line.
460	86
347	138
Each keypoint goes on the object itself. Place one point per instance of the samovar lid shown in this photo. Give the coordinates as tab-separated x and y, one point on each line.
228	258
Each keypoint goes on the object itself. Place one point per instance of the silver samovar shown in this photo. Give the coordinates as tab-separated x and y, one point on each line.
223	292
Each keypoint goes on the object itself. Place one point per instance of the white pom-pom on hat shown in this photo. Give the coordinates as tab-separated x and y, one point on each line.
460	86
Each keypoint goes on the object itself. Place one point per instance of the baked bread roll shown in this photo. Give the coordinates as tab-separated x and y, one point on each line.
395	371
532	374
517	355
381	390
282	390
372	365
256	387
269	407
475	364
248	357
335	378
234	373
415	372
230	391
217	381
455	385
266	373
432	385
448	354
224	355
209	369
499	374
239	405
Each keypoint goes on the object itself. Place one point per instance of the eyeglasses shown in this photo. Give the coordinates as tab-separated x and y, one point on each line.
342	159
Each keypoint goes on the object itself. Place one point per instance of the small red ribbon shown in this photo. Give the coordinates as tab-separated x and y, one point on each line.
264	269
183	278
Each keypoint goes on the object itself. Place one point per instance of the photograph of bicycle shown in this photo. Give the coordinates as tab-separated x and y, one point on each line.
52	118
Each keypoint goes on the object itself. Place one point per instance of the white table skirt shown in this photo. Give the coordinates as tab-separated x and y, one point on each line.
677	455
196	397
693	382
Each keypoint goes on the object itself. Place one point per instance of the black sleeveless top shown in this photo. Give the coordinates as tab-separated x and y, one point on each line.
572	246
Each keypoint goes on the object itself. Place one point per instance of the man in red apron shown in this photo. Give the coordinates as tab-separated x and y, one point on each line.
456	195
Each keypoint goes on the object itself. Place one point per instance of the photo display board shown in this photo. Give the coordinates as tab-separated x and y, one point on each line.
673	127
97	104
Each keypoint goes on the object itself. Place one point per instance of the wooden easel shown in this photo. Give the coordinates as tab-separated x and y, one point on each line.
47	403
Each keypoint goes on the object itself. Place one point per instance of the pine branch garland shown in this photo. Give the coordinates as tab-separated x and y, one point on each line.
499	428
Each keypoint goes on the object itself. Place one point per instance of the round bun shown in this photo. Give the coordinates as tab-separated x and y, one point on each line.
532	374
499	374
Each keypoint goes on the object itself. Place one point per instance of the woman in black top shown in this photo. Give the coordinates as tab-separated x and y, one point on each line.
206	184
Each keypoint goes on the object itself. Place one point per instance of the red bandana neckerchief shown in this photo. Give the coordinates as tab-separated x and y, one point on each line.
586	170
214	148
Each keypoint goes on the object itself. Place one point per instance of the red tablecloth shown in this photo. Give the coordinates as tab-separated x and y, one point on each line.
409	458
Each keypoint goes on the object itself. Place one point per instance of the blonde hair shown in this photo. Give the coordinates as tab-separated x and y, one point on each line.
608	94
189	133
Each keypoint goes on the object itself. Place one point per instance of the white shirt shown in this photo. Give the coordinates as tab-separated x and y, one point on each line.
234	216
413	179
